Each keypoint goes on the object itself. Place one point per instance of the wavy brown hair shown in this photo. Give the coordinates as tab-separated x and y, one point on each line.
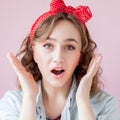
43	31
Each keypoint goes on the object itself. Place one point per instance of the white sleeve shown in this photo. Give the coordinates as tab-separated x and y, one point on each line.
10	106
111	110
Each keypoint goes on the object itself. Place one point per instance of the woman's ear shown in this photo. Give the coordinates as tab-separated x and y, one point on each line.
32	44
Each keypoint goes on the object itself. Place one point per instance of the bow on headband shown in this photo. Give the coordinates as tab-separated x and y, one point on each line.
82	13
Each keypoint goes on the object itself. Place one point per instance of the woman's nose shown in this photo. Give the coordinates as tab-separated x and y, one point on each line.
58	55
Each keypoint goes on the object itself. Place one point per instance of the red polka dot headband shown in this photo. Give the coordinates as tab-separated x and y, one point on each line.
82	13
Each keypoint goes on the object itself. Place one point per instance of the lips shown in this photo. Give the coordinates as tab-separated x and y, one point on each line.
58	72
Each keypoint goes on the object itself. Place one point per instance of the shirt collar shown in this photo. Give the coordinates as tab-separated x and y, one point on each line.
72	93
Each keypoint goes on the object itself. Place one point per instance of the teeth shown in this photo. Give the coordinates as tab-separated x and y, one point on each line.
58	69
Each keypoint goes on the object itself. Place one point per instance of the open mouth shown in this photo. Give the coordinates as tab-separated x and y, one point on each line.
57	72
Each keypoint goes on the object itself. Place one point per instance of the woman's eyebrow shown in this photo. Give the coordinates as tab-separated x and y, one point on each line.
71	40
66	40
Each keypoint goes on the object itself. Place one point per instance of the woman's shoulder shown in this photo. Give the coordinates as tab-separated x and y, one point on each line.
12	95
102	96
10	103
104	104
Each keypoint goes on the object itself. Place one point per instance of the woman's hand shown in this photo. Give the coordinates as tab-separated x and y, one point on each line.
83	91
25	78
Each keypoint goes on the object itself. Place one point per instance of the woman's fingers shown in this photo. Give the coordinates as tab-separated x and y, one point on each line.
94	65
19	69
25	78
84	87
16	64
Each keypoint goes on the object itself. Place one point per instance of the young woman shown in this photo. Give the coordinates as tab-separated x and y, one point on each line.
58	71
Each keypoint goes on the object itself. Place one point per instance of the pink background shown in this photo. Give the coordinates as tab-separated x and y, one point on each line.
17	16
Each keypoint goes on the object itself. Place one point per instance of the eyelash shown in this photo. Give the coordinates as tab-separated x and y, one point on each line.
50	46
70	47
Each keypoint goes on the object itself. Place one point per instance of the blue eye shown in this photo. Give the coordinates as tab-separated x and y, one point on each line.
70	47
48	46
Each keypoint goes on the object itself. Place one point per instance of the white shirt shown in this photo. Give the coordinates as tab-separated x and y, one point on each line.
105	106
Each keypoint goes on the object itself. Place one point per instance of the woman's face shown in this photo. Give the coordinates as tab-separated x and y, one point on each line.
58	55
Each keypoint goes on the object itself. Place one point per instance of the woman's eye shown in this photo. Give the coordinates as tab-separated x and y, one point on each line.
70	47
48	46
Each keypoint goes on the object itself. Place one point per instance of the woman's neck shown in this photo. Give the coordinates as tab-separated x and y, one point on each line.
52	93
54	99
